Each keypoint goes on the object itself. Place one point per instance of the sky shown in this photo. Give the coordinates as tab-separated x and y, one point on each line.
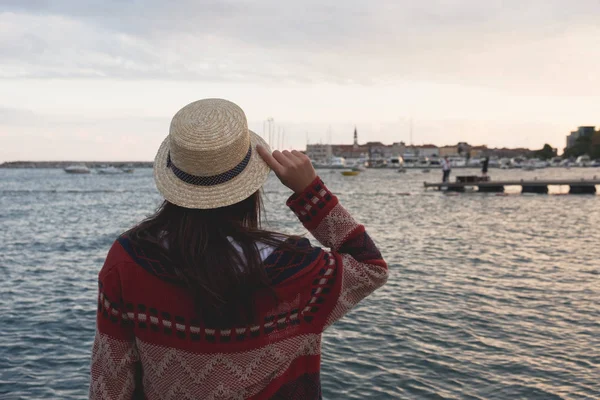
101	80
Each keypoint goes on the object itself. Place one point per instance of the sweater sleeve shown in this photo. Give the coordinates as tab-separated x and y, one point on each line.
115	358
355	265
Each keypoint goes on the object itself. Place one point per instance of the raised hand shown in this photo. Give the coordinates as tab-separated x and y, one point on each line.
293	169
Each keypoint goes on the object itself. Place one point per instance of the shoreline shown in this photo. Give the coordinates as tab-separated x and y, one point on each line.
64	164
150	164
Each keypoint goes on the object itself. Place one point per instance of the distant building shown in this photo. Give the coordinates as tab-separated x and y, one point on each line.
448	151
397	149
509	153
319	152
379	152
464	148
425	150
586	130
479	151
350	151
595	148
596	139
582	131
572	139
355	151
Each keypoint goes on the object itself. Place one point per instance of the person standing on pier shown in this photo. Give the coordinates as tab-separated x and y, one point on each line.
485	165
446	169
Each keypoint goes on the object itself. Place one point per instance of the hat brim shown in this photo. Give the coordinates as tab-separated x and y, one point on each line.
233	191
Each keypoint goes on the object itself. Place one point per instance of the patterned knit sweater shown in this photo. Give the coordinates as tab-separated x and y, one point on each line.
150	345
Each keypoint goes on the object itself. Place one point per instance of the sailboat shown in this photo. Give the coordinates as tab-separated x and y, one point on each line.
77	169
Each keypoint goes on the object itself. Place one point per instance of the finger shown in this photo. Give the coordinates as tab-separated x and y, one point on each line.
300	155
283	159
269	159
293	159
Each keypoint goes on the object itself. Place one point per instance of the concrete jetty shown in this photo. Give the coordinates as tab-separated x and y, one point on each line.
577	186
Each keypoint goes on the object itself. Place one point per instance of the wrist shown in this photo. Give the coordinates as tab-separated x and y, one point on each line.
313	203
298	190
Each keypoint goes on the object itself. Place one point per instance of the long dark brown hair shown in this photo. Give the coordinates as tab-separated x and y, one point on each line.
197	244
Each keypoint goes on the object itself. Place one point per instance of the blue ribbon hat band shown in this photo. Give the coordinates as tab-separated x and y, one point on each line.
209	180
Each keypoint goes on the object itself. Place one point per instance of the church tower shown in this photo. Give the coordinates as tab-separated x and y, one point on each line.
355	139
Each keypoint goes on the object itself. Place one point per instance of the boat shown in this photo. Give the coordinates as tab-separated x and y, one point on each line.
332	163
474	162
350	173
565	163
505	163
540	164
77	169
426	171
583	161
359	168
395	162
128	170
110	171
458	162
556	161
402	170
377	163
517	162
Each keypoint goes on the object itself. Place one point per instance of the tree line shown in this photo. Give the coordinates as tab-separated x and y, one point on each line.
585	145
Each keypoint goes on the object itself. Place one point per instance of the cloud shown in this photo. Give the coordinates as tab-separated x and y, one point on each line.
10	115
29	135
97	72
535	46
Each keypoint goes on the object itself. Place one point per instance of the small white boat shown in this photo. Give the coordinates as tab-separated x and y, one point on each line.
395	162
77	169
109	171
332	163
583	161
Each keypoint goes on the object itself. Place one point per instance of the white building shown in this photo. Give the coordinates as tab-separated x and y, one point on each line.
425	151
319	152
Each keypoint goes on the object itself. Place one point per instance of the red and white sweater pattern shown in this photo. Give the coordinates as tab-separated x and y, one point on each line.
149	343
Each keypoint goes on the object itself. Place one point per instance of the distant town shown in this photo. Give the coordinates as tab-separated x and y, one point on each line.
582	149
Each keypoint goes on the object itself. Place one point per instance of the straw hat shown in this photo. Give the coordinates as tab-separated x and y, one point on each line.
209	159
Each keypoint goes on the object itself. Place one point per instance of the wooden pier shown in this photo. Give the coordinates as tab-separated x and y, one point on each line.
581	186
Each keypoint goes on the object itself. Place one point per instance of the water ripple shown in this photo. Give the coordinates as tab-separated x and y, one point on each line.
490	297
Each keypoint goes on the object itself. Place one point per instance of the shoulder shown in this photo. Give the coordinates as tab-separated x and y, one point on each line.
110	277
116	256
124	253
293	259
147	258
